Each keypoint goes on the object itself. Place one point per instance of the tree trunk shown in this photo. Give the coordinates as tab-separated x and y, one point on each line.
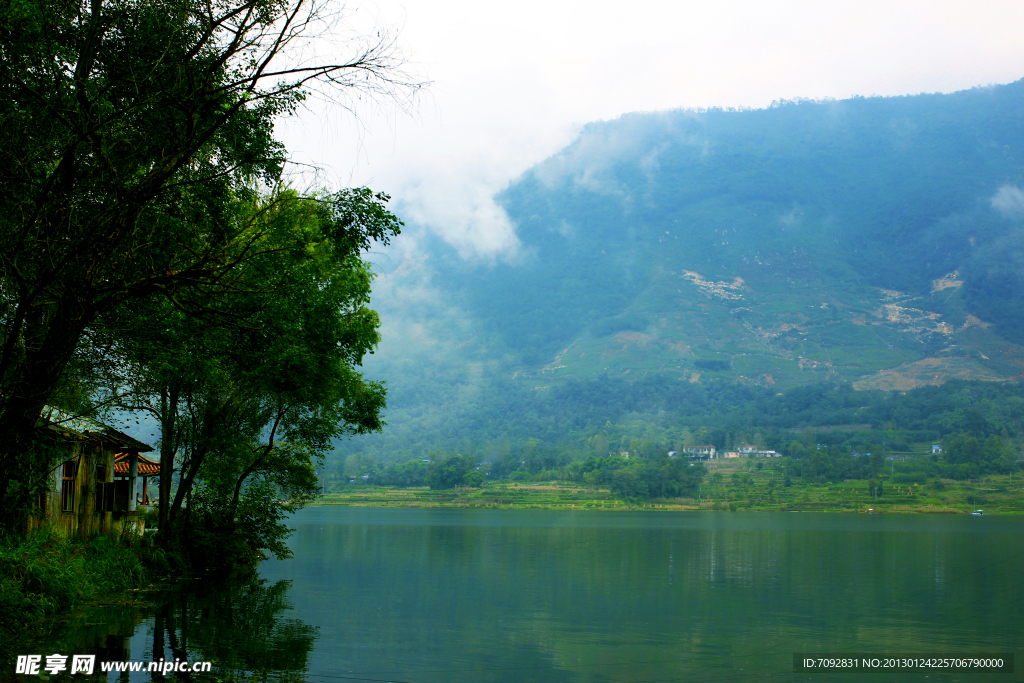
186	482
168	438
22	465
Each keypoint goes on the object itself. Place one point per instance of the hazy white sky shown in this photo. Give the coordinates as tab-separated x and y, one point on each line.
512	83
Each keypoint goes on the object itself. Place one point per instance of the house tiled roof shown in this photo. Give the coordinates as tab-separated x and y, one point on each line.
83	427
147	467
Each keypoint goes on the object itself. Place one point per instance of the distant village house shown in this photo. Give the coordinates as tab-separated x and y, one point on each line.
751	451
706	452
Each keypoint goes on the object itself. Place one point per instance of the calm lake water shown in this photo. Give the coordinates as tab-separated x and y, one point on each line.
475	595
452	596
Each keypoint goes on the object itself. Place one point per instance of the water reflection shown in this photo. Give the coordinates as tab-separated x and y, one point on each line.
245	628
239	626
431	596
103	630
457	596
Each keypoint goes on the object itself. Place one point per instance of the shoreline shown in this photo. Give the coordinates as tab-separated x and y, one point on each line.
951	500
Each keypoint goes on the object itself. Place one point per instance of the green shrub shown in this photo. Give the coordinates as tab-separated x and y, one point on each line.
917	477
45	572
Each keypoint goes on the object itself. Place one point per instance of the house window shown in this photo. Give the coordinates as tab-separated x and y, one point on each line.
105	496
67	487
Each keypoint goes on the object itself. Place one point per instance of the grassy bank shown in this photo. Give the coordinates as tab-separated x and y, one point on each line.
740	484
51	588
542	495
46	573
729	486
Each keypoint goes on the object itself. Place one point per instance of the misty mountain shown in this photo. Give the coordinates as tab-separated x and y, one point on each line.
878	241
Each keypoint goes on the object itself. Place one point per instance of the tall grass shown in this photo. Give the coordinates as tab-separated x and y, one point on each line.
45	573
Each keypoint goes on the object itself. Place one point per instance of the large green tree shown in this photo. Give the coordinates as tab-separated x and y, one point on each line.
250	396
132	135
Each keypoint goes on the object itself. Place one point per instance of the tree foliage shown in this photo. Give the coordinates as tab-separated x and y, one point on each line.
135	138
653	477
454	470
251	395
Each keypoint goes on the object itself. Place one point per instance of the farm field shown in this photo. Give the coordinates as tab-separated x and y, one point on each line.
734	485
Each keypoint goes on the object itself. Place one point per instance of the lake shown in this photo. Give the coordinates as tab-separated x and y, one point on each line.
451	596
432	595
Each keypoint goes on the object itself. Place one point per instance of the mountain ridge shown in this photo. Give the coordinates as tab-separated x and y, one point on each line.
874	241
770	220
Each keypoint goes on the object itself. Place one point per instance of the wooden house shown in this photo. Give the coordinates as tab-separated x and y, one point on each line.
94	489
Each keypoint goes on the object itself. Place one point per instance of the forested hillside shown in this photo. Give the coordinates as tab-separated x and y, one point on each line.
699	263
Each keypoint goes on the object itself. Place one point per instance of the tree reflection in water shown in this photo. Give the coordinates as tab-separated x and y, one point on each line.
239	626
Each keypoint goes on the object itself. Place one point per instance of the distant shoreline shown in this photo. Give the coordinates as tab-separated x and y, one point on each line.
955	498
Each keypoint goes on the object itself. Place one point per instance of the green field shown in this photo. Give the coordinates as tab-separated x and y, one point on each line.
735	485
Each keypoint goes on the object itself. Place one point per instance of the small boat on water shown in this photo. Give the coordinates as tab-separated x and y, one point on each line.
977	513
